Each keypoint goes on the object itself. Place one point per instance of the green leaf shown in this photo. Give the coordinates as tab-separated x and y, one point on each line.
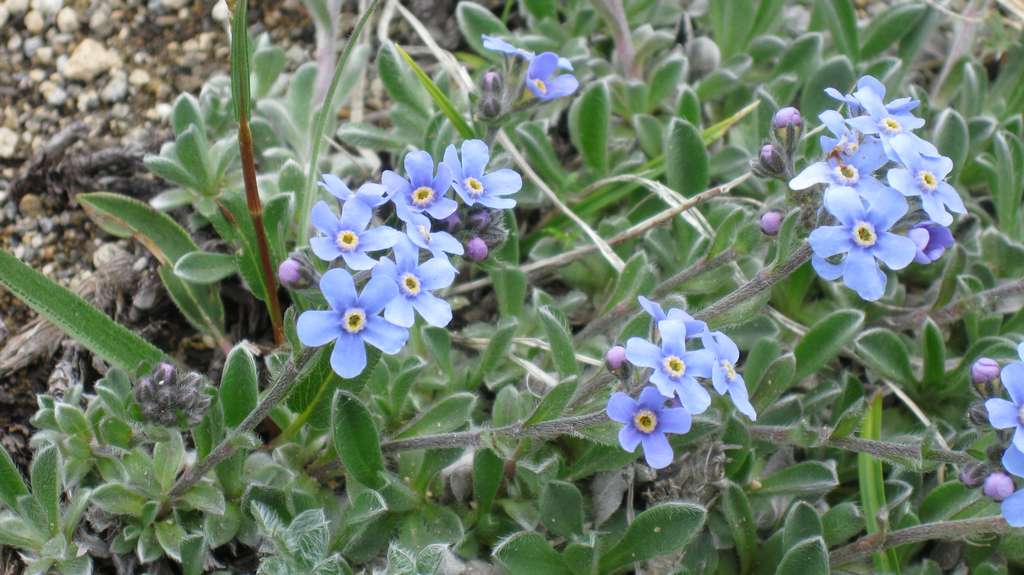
529	552
440	99
561	508
72	421
951	137
740	517
659	530
446	415
841	523
890	27
802	522
400	84
239	386
872	484
777	378
356	440
206	498
594	108
118	499
630	281
884	352
193	154
562	351
474	21
934	355
804	478
836	72
841	18
686	159
12	485
488	471
496	350
510	287
554	402
731	23
205	267
801	56
825	339
86	324
46	484
808	557
168	460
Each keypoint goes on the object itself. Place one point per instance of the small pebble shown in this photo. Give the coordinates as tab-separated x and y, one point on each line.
138	77
67	20
116	89
47	7
17	6
30	205
34	22
8	142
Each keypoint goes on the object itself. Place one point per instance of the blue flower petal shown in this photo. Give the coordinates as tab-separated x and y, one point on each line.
621	408
641	352
561	86
336	187
1012	376
435	274
451	159
657	451
400	312
699	363
542	66
325	248
496	203
436	311
629	437
861	274
316	328
652	308
651	398
441	208
324	219
935	209
695	398
419	166
828	241
376	294
816	173
673	337
358	260
384	335
845	205
895	251
397	186
475	157
338	288
674	420
407	256
1002	414
349	356
885	210
1013	509
741	399
826	269
1013	461
503	182
903	181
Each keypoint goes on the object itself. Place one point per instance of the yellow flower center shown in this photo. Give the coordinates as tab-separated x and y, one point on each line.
730	370
474	187
674	366
645	420
928	180
355	320
410	284
422	196
891	125
848	173
540	85
864	234
347	240
425	232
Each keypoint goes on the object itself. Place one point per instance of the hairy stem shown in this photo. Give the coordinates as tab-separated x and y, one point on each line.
880	449
278	391
957	309
959	529
762	281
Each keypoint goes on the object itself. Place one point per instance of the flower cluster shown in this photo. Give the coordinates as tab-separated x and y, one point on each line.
546	77
402	285
676	373
877	136
1004	414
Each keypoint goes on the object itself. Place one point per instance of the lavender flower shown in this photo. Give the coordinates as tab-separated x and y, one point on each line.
473	185
542	81
694	327
351	321
438	243
923	176
423	191
931	240
369	194
724	376
1013	506
415	281
864	236
646	421
675	369
1003	414
347	236
501	46
984	370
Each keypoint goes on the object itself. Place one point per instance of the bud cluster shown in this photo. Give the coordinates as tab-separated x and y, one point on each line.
169	400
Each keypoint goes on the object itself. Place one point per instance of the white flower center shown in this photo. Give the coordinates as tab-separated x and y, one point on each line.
847	174
675	366
927	180
730	370
864	234
540	85
355	320
422	196
347	240
474	187
891	126
410	284
645	420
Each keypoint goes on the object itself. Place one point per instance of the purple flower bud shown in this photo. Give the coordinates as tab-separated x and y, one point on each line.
771	222
164	373
931	240
490	95
289	272
984	369
998	486
973	474
491	82
770	162
615	357
480	219
453	222
476	249
786	117
166	399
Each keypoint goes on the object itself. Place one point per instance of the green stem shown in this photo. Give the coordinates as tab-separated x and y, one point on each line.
309	189
877	542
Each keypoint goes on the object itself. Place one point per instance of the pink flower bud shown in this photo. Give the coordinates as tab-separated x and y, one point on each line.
998	486
770	223
476	249
615	357
985	369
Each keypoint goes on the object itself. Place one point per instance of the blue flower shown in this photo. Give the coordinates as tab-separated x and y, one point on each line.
646	421
473	185
863	235
924	175
347	236
438	243
851	168
369	194
675	369
351	321
931	239
694	327
415	281
886	120
1013	506
1003	414
501	46
542	81
423	191
724	376
870	84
